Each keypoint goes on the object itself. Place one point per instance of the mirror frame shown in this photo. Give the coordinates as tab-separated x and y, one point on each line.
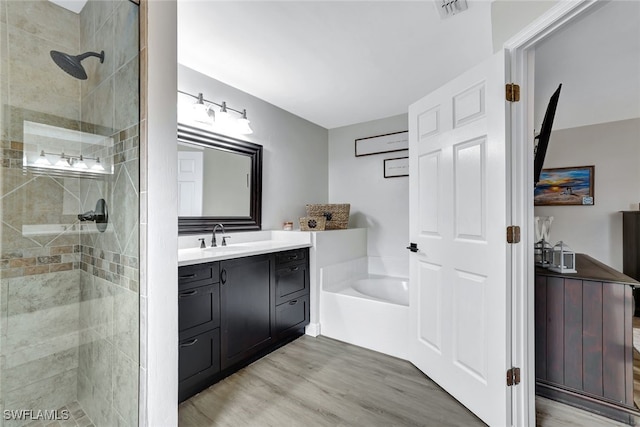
204	224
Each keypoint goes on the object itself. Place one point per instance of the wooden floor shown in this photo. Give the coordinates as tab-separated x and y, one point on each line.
322	382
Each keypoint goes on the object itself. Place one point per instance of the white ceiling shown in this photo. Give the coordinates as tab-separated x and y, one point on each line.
333	63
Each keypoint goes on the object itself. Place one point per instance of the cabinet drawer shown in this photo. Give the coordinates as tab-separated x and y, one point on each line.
287	257
199	356
199	309
197	275
291	282
293	314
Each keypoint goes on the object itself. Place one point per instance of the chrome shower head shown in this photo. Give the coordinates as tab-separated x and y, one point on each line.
72	64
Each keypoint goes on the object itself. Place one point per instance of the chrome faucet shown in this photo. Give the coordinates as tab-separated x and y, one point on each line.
213	240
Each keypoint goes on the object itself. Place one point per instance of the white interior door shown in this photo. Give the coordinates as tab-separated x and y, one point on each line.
460	318
190	177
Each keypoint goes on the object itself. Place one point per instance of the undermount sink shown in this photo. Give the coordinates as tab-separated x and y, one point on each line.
224	249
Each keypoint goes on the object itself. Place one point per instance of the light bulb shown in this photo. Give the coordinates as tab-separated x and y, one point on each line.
62	162
243	124
42	160
201	111
80	164
98	166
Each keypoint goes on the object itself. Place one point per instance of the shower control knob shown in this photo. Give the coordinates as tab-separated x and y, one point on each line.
413	247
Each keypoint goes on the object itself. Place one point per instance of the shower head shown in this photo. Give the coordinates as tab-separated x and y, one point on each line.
72	64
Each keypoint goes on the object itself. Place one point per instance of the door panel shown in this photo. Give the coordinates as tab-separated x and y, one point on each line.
458	216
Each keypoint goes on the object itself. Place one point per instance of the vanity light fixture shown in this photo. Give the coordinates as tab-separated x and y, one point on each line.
222	117
66	161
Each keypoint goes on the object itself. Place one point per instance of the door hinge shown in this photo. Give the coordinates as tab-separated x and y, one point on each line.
513	92
513	234
513	376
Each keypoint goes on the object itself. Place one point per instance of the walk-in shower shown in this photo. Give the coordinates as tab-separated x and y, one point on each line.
72	64
69	268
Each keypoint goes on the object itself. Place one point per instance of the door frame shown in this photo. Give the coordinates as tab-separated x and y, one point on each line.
520	51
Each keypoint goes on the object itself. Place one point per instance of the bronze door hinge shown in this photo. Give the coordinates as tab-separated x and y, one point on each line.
513	92
513	234
513	376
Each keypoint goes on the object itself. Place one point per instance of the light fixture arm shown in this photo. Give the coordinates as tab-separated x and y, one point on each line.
202	100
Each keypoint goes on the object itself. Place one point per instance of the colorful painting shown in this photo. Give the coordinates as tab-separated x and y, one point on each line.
565	186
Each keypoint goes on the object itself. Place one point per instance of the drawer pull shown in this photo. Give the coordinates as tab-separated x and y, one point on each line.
223	276
189	276
188	294
189	343
292	257
294	268
293	302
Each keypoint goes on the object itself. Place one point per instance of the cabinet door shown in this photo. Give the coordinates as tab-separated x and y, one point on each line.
246	298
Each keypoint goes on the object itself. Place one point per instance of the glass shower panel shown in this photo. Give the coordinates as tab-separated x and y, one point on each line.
69	213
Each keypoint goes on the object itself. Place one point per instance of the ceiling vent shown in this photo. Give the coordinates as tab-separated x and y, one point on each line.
448	8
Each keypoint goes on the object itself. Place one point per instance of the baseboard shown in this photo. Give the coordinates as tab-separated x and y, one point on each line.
312	329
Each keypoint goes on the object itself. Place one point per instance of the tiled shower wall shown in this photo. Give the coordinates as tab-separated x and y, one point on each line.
69	300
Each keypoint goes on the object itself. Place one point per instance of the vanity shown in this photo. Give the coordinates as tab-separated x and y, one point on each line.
249	294
237	304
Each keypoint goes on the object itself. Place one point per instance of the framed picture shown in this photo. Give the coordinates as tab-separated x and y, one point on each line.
387	143
565	186
394	168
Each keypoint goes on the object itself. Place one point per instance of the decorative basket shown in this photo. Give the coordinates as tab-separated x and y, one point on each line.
312	223
337	215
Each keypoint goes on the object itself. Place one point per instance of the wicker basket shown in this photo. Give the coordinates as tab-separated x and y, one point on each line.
337	215
312	223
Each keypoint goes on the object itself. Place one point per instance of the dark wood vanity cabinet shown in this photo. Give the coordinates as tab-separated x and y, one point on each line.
234	311
584	338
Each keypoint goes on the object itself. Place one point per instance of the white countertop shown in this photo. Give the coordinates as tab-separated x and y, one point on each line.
191	256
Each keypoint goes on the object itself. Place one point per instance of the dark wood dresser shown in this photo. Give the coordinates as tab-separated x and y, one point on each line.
584	338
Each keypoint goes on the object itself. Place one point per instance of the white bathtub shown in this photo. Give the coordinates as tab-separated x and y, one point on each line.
367	310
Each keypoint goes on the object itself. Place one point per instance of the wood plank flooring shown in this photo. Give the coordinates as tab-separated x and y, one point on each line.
322	382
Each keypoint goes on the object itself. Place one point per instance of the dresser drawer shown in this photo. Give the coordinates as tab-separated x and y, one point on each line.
198	275
293	256
291	282
199	356
292	315
198	309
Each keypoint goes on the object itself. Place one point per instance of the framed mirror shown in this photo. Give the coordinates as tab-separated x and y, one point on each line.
219	181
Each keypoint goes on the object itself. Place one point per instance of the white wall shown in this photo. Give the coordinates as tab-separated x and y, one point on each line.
508	17
599	70
379	204
295	150
615	151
